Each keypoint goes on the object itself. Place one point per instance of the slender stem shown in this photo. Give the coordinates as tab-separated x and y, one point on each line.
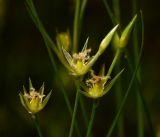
116	57
70	110
75	110
85	116
122	103
140	116
147	113
118	86
91	118
84	113
118	96
130	84
36	122
140	126
76	27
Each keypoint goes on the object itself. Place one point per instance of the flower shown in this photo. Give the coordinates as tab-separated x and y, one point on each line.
78	61
34	101
98	85
81	62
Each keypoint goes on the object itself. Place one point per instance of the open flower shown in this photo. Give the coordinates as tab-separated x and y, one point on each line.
98	85
34	101
80	63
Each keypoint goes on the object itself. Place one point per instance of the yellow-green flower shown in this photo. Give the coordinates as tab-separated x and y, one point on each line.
80	63
98	85
34	101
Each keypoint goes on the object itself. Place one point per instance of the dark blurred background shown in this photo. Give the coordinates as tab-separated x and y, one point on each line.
23	55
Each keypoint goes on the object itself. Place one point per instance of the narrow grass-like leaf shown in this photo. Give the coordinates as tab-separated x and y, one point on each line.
112	82
76	26
82	10
116	57
109	11
102	71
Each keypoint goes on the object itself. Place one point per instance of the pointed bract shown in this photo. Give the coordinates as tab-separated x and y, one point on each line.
67	56
45	101
41	90
85	45
30	84
112	82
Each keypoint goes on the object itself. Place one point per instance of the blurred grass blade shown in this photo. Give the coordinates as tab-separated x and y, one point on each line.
32	12
76	26
109	11
82	10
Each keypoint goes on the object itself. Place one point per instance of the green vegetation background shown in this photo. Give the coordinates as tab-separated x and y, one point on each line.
23	55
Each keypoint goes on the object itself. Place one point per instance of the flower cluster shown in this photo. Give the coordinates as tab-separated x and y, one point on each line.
34	101
98	85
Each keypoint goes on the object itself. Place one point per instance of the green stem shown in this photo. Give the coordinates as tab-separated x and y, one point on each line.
116	10
83	7
122	103
140	119
70	110
116	57
76	27
36	122
118	95
118	86
140	116
75	110
83	111
130	84
91	119
147	113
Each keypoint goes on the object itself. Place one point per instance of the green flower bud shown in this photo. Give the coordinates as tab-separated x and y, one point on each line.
34	101
105	42
122	41
126	33
63	39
